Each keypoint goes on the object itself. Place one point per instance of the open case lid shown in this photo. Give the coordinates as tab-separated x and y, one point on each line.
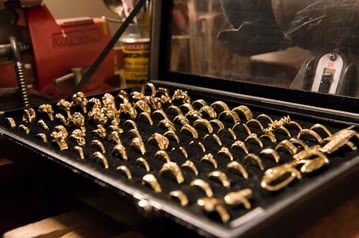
273	50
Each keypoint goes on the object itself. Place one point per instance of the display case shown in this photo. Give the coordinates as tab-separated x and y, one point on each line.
225	139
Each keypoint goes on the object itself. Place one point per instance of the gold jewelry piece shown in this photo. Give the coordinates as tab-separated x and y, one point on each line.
276	173
240	168
183	151
256	159
205	123
181	95
299	142
181	196
313	164
126	171
201	145
254	137
174	169
222	177
209	111
79	136
152	181
215	137
162	141
79	99
66	106
99	145
143	106
269	134
161	112
239	197
163	154
246	128
168	124
135	132
47	108
99	155
11	121
221	104
265	116
308	153
29	115
191	165
100	131
231	114
206	188
218	123
245	110
212	204
270	151
147	116
210	158
80	151
232	133
114	136
144	162
288	145
78	119
152	88
240	144
61	118
312	133
43	124
339	139
226	151
171	133
278	125
59	135
138	143
322	127
188	106
191	129
182	119
42	136
288	122
132	123
121	150
201	102
257	122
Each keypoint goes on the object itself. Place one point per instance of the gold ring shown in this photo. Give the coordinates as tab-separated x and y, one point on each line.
205	123
161	112
212	204
312	133
191	165
268	133
240	168
187	106
270	151
137	142
339	139
135	132
232	114
215	137
152	181
99	155
270	120
182	119
121	150
80	151
299	142
151	86
47	108
124	169
322	127
114	136
245	110
239	197
287	144
29	115
144	162
100	131
221	104
246	128
218	123
311	165
183	151
200	102
162	141
232	133
255	158
191	129
209	111
147	116
171	133
78	119
79	99
287	121
175	108
132	123
164	154
181	196
143	106
276	173
240	144
206	188
257	122
254	137
11	121
65	106
174	169
168	124
79	136
99	145
226	151
43	124
201	145
312	151
210	158
222	177
59	135
24	128
43	137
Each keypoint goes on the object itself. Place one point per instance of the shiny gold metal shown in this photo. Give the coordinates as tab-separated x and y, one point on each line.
43	124
47	108
313	164
239	197
168	124
256	122
79	136
215	137
227	152
245	110
321	127
288	122
77	119
218	123
308	153
132	123
174	169
66	106
100	131
288	145
205	123
222	177
171	133
125	170
79	99
162	141
101	156
312	133
191	165
209	111
115	137
298	142
272	152
145	164
265	116
254	137
147	116
210	204
203	185
191	129
246	128
188	106
61	118
135	133
29	115
11	122
232	133
152	88
161	112
152	181
182	119
176	109
163	154
210	158
238	167
59	135
143	106
268	133
338	140
180	95
42	136
201	102
80	151
278	125
121	150
220	104
272	179
180	195
201	145
256	159
183	151
240	144
99	145
232	114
